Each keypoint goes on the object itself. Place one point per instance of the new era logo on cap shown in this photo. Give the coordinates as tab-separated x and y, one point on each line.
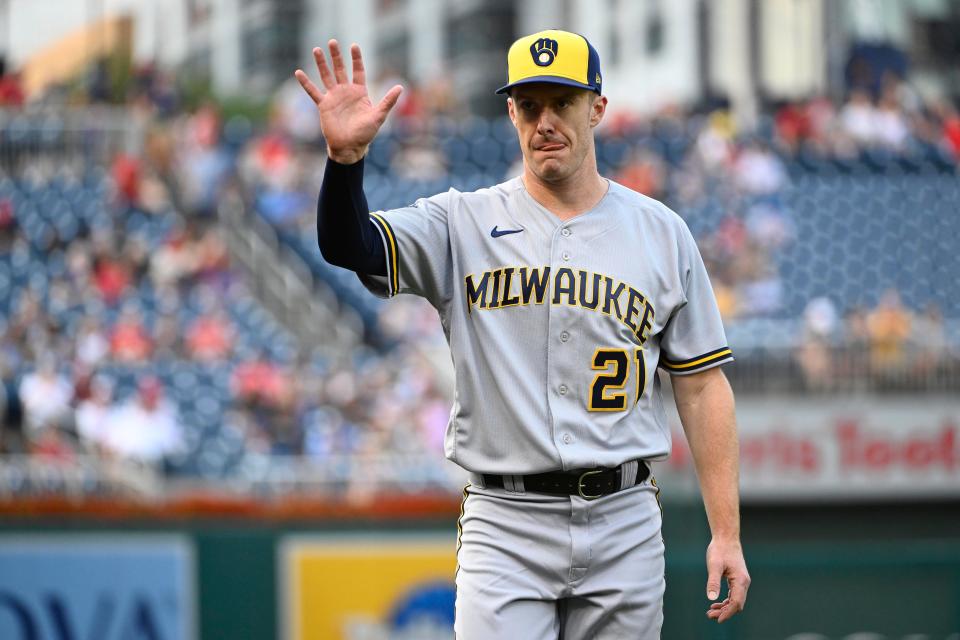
554	56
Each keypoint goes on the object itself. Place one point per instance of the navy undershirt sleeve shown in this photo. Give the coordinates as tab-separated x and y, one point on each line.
345	233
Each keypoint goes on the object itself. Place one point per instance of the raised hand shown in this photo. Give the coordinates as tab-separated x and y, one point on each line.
348	119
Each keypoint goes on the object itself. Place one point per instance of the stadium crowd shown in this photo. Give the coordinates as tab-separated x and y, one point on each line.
888	346
93	341
698	161
127	332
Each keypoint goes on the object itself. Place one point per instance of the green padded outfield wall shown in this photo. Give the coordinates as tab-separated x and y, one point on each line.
827	571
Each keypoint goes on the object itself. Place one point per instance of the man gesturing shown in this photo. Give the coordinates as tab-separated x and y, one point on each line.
560	294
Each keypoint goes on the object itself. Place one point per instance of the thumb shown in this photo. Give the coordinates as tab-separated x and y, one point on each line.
389	101
714	574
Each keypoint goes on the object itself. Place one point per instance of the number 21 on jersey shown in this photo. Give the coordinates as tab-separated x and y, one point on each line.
607	392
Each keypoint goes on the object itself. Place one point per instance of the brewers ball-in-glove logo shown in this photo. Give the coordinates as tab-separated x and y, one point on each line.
544	51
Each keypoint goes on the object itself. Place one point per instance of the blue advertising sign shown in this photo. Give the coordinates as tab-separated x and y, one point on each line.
96	587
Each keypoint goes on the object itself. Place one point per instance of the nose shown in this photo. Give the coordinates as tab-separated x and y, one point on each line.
545	123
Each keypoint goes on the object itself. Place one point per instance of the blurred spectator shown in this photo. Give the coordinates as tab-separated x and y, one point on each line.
92	345
440	98
155	87
822	114
146	428
129	341
769	226
951	129
728	302
411	108
52	445
856	340
758	171
11	92
929	337
730	237
793	125
98	85
8	224
93	415
714	145
644	173
814	355
858	118
213	261
45	395
296	112
82	383
126	177
210	337
175	259
432	418
111	274
11	410
273	157
136	255
204	165
889	326
891	124
259	381
282	177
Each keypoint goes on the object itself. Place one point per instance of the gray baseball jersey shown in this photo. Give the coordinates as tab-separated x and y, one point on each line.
555	328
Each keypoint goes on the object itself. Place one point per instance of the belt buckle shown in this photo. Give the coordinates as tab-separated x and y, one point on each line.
587	496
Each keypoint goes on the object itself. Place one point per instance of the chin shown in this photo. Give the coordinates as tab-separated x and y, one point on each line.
552	171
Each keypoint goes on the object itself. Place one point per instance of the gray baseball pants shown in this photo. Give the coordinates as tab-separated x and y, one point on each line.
540	567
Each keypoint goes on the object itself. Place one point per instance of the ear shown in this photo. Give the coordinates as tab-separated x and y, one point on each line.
511	111
597	110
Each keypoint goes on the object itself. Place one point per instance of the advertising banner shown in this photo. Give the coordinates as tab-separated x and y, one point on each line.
103	587
368	588
842	448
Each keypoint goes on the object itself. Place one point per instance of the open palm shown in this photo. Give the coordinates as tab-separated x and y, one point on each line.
348	118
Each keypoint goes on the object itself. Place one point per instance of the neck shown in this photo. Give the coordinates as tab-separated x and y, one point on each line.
571	196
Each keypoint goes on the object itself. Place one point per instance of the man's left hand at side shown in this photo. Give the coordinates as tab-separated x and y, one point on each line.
725	560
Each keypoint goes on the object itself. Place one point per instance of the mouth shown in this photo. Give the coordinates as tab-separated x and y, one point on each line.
552	146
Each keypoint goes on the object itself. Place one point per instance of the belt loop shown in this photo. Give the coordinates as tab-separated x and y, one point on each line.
513	484
628	474
518	483
477	480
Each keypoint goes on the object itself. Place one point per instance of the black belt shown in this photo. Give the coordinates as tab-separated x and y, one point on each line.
586	483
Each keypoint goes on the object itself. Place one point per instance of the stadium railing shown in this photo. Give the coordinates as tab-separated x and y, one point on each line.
92	135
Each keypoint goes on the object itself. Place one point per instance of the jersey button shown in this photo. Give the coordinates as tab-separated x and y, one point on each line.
566	256
565	232
564	336
567	439
562	389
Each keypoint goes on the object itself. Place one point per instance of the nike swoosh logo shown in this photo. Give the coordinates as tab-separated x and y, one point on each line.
496	234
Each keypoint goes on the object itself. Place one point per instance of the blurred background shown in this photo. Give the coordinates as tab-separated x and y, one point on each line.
207	432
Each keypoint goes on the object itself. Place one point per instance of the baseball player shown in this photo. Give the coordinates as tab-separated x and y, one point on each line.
560	293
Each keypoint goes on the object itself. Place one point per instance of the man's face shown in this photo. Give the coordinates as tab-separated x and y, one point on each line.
555	126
